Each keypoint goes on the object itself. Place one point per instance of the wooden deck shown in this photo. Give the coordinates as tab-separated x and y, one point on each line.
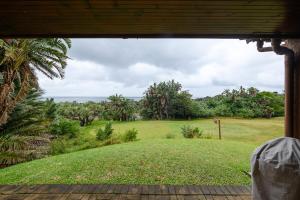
130	192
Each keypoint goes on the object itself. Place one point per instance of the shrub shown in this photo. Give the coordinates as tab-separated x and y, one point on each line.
130	135
105	133
170	136
16	149
64	127
190	132
114	139
57	147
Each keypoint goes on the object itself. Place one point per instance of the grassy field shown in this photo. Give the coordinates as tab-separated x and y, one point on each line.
255	131
153	159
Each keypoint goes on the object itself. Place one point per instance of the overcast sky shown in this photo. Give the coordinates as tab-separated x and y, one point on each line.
102	67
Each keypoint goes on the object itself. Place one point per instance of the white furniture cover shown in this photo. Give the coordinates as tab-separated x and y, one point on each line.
275	169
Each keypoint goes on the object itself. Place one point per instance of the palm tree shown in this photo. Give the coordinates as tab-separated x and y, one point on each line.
19	61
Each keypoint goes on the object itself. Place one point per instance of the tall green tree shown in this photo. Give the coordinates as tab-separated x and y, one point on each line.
119	108
166	100
20	59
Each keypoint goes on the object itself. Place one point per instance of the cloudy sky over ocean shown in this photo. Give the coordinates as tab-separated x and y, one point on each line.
101	67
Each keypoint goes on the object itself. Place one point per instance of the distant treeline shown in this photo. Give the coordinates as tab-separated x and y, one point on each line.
167	100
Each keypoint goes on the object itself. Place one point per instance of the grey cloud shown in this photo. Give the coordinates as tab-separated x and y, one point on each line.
183	54
100	67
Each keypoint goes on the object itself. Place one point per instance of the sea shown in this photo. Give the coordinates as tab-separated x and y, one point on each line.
83	99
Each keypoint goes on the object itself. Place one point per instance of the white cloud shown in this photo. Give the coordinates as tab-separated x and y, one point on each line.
101	67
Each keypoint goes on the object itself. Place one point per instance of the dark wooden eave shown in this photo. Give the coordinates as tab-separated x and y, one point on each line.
150	18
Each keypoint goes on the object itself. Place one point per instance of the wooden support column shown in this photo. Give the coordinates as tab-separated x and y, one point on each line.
291	51
292	90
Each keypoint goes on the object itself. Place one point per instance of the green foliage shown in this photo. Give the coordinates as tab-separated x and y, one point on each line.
130	135
190	132
85	113
24	136
166	100
105	133
16	149
119	108
114	139
247	103
64	127
28	117
20	60
57	147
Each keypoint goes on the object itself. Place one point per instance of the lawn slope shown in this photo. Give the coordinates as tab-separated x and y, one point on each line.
155	161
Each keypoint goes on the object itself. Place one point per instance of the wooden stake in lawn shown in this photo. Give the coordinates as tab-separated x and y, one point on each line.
218	121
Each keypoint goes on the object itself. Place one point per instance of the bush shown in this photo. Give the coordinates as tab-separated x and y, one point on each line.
64	127
57	147
170	136
190	132
130	135
114	139
105	133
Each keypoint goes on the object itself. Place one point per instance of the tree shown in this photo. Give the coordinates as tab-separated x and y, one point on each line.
19	61
166	100
24	136
85	113
119	108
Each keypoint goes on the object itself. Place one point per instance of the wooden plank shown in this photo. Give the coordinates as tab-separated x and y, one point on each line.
117	189
173	197
151	189
208	197
162	197
218	190
134	189
110	189
43	197
145	189
215	197
164	189
28	189
75	196
225	190
191	197
211	189
231	189
13	196
205	189
103	189
105	196
144	197
130	192
9	189
201	197
151	197
171	190
181	189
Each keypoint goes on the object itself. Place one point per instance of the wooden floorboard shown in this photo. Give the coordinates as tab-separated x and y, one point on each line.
126	192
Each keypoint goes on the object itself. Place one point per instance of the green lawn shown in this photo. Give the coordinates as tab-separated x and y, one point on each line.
254	131
153	159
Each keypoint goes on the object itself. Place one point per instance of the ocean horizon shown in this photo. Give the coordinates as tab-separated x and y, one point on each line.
59	99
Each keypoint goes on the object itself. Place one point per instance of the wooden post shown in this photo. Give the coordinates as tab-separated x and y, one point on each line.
219	124
292	90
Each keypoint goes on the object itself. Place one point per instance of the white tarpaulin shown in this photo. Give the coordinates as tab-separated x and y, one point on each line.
275	169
